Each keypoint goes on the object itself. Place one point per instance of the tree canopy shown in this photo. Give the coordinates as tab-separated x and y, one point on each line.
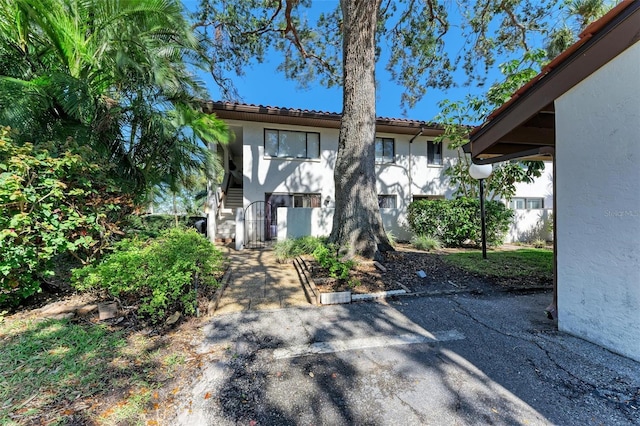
113	74
418	35
342	46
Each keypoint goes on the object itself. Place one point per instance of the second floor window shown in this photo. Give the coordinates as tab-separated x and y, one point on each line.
385	150
434	153
291	144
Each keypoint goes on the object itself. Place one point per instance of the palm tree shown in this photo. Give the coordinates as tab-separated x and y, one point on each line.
113	74
583	13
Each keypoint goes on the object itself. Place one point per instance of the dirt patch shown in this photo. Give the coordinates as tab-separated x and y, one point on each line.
403	268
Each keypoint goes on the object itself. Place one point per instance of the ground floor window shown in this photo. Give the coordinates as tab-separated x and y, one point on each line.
293	200
526	203
387	201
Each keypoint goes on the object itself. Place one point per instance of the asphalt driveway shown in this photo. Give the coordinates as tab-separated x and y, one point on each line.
458	359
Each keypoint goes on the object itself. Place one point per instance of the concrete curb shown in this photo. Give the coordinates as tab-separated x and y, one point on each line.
332	298
378	295
310	289
224	283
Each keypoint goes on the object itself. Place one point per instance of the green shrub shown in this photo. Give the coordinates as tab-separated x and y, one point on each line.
290	248
326	256
55	200
392	238
539	243
454	222
426	242
283	250
151	226
158	274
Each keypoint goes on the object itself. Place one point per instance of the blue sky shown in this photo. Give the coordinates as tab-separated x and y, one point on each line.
264	85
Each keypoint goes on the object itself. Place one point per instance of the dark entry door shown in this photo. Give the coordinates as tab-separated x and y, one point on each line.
259	225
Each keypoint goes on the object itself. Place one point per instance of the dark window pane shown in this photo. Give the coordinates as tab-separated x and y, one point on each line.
385	150
434	153
313	145
306	200
387	201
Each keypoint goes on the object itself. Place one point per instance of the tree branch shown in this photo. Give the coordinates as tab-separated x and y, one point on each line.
514	21
295	39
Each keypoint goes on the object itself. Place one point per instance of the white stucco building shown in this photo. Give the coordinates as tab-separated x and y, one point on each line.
584	111
286	157
280	167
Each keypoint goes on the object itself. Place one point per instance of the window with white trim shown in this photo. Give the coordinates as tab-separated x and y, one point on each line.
293	200
291	144
385	150
434	153
387	201
520	203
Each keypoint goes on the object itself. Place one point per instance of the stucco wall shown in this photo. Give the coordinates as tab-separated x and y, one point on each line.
403	178
531	225
408	176
598	206
317	222
541	187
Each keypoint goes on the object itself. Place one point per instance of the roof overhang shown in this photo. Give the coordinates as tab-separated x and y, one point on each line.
276	115
524	127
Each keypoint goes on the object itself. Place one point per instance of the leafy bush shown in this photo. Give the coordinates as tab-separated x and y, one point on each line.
324	253
159	273
426	242
151	226
326	256
456	221
54	200
290	248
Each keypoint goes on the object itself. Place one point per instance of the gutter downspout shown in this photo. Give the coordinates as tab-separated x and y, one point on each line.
410	161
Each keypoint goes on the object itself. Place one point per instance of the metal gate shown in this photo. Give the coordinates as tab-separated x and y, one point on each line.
260	225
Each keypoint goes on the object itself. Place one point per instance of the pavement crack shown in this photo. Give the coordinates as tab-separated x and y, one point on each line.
463	311
573	382
309	336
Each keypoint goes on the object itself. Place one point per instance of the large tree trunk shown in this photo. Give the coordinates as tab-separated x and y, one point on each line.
357	224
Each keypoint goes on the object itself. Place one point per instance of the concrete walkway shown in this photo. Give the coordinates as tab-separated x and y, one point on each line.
259	282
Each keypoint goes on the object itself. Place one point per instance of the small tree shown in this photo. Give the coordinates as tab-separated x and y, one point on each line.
455	116
53	201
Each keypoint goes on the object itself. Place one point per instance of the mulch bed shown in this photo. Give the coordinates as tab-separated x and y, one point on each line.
402	266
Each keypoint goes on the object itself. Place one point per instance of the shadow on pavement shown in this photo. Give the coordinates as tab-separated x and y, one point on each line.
437	360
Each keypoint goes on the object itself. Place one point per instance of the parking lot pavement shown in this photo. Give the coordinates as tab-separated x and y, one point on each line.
459	359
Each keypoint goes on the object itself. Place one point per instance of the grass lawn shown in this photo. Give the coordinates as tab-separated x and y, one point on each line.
61	372
529	262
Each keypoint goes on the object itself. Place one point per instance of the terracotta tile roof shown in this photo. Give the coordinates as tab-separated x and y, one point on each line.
276	114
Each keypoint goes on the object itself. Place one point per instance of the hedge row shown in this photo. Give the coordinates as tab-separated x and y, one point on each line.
457	222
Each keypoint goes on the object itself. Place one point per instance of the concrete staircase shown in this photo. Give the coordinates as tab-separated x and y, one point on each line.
233	199
226	226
